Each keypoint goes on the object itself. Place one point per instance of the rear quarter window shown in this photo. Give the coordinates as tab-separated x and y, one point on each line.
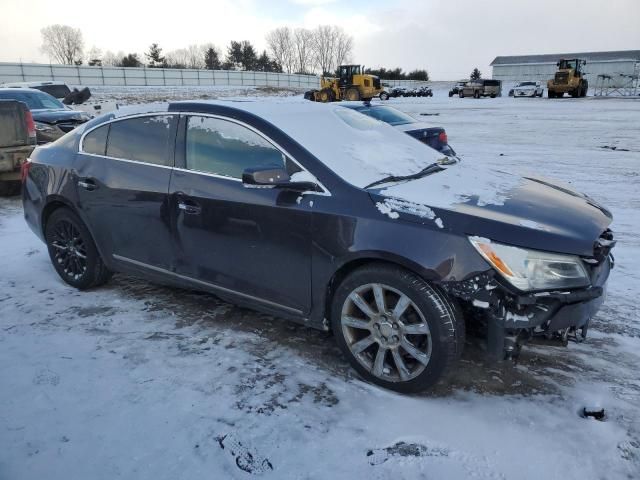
95	142
142	139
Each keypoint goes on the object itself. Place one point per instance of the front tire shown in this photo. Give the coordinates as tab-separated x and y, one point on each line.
396	330
352	94
73	252
384	96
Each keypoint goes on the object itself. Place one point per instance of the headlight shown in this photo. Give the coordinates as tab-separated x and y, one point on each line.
45	128
532	269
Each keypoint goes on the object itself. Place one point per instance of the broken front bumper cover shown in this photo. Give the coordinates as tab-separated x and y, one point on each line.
513	318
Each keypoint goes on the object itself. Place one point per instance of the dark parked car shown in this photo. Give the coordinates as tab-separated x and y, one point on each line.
52	118
435	137
320	214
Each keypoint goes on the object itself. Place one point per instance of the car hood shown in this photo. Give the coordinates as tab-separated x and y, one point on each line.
528	212
57	116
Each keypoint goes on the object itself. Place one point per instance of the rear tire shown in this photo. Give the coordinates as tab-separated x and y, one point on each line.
326	95
476	94
384	96
73	252
406	336
461	94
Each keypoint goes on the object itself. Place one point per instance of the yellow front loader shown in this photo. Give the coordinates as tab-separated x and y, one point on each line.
351	85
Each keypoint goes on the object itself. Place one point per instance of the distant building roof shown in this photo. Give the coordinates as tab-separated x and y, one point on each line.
554	57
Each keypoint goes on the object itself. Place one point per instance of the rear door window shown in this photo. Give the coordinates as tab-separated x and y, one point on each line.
95	142
226	148
145	139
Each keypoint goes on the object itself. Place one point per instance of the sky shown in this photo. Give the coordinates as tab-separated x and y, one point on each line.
448	38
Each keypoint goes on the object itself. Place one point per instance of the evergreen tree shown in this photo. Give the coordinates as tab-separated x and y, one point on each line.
234	55
249	56
154	56
211	60
130	60
476	74
264	63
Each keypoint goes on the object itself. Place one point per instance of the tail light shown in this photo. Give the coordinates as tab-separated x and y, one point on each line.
24	170
31	126
443	137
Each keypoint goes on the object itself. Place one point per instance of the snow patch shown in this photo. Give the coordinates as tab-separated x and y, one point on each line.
386	210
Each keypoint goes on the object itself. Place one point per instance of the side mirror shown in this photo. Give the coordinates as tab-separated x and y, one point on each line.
275	178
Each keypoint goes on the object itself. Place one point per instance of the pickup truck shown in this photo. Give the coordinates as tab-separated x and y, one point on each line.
17	141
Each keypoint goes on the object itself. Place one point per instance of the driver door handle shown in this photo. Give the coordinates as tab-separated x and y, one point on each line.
188	206
87	183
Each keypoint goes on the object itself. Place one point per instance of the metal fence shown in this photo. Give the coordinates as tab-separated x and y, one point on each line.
84	75
123	76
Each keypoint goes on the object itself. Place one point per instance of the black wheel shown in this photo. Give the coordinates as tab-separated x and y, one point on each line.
585	88
461	94
384	96
397	330
72	251
476	94
493	95
352	94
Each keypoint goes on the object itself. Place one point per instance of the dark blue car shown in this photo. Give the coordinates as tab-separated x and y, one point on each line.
320	214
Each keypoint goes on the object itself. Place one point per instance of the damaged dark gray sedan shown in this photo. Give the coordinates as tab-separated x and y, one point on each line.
322	215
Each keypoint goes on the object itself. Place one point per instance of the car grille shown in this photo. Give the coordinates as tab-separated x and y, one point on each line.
562	77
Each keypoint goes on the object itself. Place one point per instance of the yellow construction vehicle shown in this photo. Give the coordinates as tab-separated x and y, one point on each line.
569	79
351	84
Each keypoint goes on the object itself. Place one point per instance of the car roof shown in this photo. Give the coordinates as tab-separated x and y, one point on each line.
21	89
32	84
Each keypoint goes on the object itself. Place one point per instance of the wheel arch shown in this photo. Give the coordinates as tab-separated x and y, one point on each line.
369	258
55	202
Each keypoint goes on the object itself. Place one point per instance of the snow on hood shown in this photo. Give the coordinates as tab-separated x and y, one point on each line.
459	183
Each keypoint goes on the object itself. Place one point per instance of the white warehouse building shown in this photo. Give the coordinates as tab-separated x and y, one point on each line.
619	65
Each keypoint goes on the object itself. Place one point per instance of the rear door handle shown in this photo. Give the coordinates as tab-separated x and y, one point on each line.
190	209
87	184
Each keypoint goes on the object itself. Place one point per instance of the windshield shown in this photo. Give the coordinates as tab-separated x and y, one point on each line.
527	84
387	115
35	100
357	148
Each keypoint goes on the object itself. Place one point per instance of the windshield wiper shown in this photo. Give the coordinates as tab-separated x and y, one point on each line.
428	170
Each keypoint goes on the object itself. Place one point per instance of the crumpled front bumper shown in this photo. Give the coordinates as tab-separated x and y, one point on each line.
521	317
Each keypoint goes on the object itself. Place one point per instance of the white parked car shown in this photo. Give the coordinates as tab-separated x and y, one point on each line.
528	89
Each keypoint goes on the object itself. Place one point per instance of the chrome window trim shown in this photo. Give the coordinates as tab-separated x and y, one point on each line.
206	284
118	119
325	193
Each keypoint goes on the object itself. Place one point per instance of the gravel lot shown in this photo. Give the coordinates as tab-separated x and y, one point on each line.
141	381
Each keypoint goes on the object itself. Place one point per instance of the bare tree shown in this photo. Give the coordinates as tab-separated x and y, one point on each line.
110	59
177	58
343	47
303	48
62	43
280	43
195	56
94	57
324	48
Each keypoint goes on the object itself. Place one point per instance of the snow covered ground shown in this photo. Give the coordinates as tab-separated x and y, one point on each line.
140	381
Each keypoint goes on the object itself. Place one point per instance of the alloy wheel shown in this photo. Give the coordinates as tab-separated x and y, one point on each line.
386	332
70	251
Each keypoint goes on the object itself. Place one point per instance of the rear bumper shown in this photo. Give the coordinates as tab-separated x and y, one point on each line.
11	159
